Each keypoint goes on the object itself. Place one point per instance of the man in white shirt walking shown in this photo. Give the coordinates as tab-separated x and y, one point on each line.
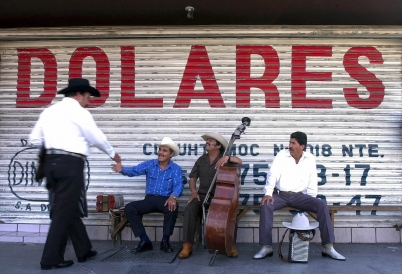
66	130
292	181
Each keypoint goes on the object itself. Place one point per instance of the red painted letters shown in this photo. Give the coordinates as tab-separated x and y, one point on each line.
199	67
102	70
373	85
300	76
25	56
198	64
244	82
128	99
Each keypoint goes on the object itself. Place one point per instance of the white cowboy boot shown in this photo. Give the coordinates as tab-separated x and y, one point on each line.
328	250
266	251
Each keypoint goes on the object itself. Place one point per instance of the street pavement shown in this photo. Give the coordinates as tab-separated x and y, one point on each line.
360	258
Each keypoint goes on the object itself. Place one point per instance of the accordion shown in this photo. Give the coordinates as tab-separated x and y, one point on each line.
299	244
108	202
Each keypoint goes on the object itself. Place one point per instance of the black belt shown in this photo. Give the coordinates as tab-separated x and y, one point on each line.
287	192
63	152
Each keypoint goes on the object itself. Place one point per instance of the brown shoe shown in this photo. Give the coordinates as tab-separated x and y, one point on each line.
234	253
186	250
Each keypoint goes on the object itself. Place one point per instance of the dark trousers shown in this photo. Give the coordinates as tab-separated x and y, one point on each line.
65	174
192	212
135	210
302	202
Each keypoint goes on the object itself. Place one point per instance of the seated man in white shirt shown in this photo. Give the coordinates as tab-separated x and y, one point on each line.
292	181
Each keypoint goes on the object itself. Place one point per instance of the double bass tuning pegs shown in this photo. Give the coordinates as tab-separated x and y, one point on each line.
246	121
240	129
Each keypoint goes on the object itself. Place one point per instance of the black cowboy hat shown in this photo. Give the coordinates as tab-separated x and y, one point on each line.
80	84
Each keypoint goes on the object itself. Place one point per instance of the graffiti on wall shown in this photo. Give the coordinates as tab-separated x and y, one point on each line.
21	179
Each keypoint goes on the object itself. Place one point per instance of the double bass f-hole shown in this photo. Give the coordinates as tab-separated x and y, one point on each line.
220	222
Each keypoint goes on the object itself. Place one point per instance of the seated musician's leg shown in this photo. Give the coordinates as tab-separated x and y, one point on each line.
134	211
307	203
266	224
169	221
191	213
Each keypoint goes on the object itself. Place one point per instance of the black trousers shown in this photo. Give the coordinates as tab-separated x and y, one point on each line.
66	176
135	210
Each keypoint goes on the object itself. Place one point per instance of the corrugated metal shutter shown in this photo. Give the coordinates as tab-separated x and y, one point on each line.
308	75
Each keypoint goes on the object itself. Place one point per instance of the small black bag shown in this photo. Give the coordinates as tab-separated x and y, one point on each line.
40	172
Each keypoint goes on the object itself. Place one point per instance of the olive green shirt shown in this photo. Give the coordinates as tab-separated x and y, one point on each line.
205	171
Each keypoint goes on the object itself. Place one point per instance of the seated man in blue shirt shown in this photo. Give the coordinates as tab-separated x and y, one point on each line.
163	184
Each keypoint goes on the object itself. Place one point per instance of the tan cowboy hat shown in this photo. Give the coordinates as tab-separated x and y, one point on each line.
167	142
300	222
217	137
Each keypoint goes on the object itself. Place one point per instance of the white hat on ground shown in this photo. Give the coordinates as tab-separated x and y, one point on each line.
300	222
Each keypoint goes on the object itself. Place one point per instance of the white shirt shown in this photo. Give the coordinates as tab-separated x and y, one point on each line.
68	126
286	175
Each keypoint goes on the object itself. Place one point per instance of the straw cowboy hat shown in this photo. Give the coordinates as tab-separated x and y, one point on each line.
167	142
300	222
217	137
80	84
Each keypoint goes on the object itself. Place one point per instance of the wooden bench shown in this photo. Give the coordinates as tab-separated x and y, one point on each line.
118	221
243	209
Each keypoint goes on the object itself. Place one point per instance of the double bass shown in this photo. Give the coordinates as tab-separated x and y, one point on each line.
220	222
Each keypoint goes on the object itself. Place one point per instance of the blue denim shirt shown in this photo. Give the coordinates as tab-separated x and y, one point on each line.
164	183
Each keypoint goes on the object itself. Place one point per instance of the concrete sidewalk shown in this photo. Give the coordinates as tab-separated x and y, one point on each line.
360	258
